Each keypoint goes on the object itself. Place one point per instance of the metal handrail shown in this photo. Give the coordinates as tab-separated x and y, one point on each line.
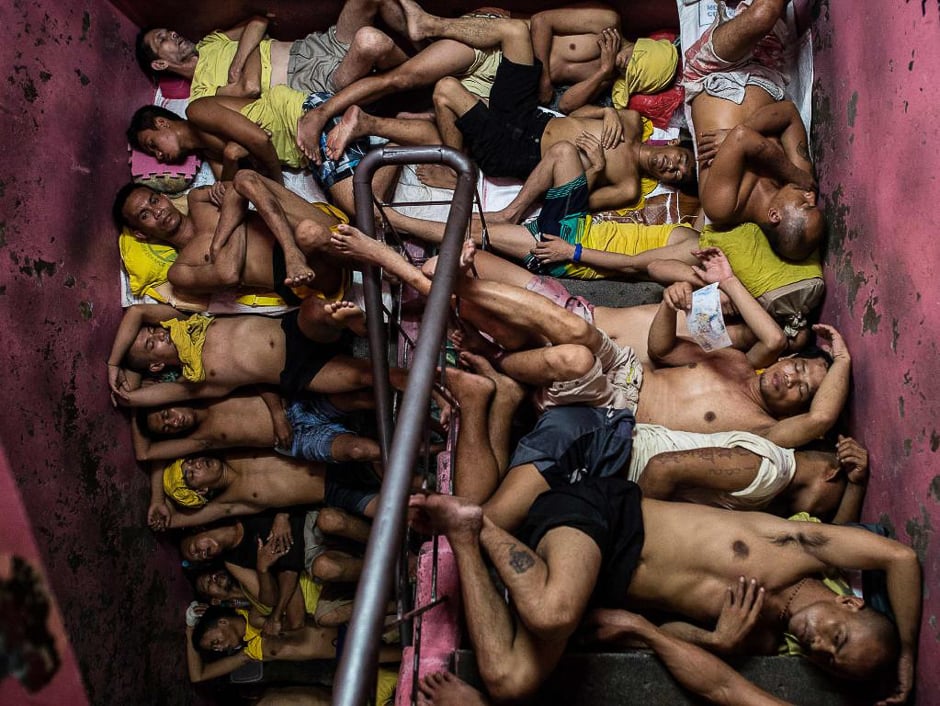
359	661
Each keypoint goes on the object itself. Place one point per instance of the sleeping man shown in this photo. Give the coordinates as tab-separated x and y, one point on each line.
597	544
735	77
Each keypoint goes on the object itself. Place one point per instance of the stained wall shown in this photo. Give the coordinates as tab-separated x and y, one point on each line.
69	84
877	144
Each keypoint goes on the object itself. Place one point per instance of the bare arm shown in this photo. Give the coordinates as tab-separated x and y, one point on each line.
719	469
544	26
697	670
583	92
199	671
665	347
210	512
283	433
854	460
145	449
781	119
827	403
855	548
223	265
220	116
248	36
771	340
162	393
135	317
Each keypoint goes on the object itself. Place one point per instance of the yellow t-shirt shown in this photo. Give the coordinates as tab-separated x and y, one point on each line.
277	113
623	238
216	52
253	641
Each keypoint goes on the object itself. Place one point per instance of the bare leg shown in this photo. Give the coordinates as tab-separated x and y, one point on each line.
256	189
736	38
443	58
511	661
355	15
334	566
370	49
476	472
357	123
512	36
352	447
445	689
355	244
334	521
509	394
451	100
437	176
343	196
515	495
560	164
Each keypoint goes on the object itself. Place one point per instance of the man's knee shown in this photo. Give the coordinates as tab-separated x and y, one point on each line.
332	520
567	362
554	618
563	150
763	15
246	182
349	447
507	680
371	43
515	31
326	568
446	90
311	235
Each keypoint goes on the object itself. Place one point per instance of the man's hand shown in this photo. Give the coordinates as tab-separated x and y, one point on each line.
611	132
283	432
905	680
708	144
853	457
552	249
609	43
217	193
280	534
739	614
678	296
592	147
193	612
836	345
158	516
267	555
272	626
117	381
715	266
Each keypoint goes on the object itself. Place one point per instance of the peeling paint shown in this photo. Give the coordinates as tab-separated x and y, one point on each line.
852	109
908	445
37	268
871	319
885	520
83	79
86	25
895	334
934	440
86	310
901	407
935	488
919	531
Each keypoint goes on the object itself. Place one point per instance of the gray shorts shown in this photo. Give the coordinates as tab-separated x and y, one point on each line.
313	61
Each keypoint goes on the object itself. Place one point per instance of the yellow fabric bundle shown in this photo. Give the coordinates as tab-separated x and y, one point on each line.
651	68
175	486
189	337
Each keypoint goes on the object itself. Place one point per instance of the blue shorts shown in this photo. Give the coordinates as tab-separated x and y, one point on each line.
332	171
316	423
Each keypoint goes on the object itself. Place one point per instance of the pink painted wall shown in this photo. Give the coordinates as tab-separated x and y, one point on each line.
69	85
877	144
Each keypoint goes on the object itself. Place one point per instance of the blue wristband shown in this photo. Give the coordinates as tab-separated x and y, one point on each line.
577	253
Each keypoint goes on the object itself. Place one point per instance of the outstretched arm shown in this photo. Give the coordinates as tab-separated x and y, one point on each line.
694	668
665	347
146	449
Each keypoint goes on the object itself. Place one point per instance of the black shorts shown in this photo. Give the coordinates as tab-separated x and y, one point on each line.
574	442
305	358
506	138
608	511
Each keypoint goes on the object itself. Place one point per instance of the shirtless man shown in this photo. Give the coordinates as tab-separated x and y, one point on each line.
221	354
563	241
762	171
509	137
581	47
241	62
313	429
222	245
597	543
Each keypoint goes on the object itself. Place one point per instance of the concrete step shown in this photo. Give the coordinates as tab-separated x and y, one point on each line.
637	677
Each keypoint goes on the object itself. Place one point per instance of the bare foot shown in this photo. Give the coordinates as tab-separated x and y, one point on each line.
346	314
298	272
350	127
445	689
309	128
468	388
437	176
468	339
352	242
506	387
467	253
455	517
504	215
419	22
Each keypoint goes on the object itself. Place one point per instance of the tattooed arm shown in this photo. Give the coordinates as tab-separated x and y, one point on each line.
717	469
